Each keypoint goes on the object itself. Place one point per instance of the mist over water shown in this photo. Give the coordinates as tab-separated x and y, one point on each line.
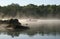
39	28
40	21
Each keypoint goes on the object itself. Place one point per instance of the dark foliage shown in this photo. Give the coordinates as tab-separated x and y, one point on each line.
31	10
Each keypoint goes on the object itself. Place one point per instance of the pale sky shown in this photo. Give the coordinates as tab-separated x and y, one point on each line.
26	2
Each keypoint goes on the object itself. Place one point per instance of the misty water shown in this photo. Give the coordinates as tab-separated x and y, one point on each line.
39	29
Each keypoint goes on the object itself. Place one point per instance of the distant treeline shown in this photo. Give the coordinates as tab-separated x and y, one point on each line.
30	11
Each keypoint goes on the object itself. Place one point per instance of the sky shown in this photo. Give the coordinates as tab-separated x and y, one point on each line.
26	2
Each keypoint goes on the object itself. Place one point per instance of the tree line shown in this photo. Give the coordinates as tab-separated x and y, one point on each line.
30	11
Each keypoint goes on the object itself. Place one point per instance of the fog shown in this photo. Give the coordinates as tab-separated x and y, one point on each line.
33	22
38	25
38	22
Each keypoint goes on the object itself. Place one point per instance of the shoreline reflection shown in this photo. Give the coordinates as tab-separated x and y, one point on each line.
41	30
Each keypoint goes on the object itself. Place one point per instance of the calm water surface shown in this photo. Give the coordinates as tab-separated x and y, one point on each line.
38	30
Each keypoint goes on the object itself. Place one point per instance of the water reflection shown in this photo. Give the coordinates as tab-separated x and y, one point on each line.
41	29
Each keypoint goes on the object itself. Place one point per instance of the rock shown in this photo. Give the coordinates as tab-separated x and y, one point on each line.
15	24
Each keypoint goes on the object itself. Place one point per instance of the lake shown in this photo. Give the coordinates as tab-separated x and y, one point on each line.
42	29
